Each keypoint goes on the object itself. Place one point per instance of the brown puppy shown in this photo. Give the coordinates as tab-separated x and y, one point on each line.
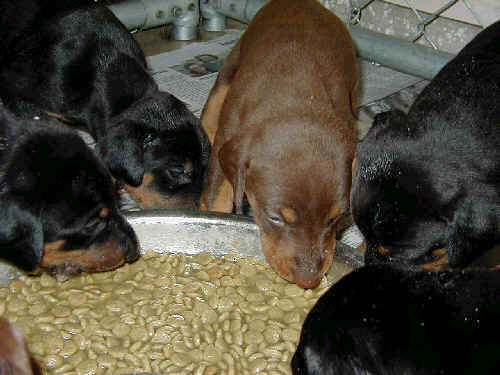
280	117
14	356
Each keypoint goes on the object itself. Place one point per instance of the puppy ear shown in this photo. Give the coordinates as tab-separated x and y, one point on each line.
21	236
121	148
235	165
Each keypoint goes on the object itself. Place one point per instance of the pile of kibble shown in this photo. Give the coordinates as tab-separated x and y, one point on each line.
168	314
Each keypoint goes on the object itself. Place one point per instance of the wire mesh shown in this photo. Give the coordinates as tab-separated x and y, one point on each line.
423	19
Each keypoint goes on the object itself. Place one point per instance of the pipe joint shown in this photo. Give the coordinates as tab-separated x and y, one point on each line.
145	14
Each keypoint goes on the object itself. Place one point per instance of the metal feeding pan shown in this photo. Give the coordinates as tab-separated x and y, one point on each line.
192	232
218	233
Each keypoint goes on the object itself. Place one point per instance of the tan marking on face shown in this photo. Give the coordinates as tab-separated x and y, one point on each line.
53	246
145	197
211	111
105	257
188	166
289	215
362	248
60	117
439	252
335	212
14	356
150	199
104	212
383	251
441	261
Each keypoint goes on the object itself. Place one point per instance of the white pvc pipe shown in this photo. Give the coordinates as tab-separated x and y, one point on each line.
389	51
146	14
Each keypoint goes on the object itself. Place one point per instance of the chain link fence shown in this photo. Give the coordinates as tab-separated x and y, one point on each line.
423	19
445	25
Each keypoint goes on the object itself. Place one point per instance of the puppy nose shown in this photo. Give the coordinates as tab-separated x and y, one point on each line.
306	273
307	281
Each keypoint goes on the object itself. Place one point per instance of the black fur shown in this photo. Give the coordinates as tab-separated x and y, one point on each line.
382	320
79	61
53	188
431	179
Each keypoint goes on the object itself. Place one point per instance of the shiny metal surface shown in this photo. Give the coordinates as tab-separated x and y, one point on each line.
193	232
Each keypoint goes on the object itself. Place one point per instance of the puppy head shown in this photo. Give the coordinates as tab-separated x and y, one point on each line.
60	205
359	326
298	187
14	356
327	344
159	149
388	197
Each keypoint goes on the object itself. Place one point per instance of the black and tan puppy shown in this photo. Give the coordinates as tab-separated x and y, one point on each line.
431	179
58	201
79	63
382	320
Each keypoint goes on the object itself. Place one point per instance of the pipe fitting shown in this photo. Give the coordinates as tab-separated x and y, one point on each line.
243	11
389	51
145	14
211	19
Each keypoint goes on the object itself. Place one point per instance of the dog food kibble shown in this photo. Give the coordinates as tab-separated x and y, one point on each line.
168	314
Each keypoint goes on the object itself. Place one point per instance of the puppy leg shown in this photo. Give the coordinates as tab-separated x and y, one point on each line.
211	111
218	192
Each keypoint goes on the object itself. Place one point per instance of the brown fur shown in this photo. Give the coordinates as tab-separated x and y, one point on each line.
14	356
148	198
97	258
281	120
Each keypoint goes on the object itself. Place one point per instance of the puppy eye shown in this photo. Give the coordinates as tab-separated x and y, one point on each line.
176	171
149	140
331	221
93	223
275	219
98	221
